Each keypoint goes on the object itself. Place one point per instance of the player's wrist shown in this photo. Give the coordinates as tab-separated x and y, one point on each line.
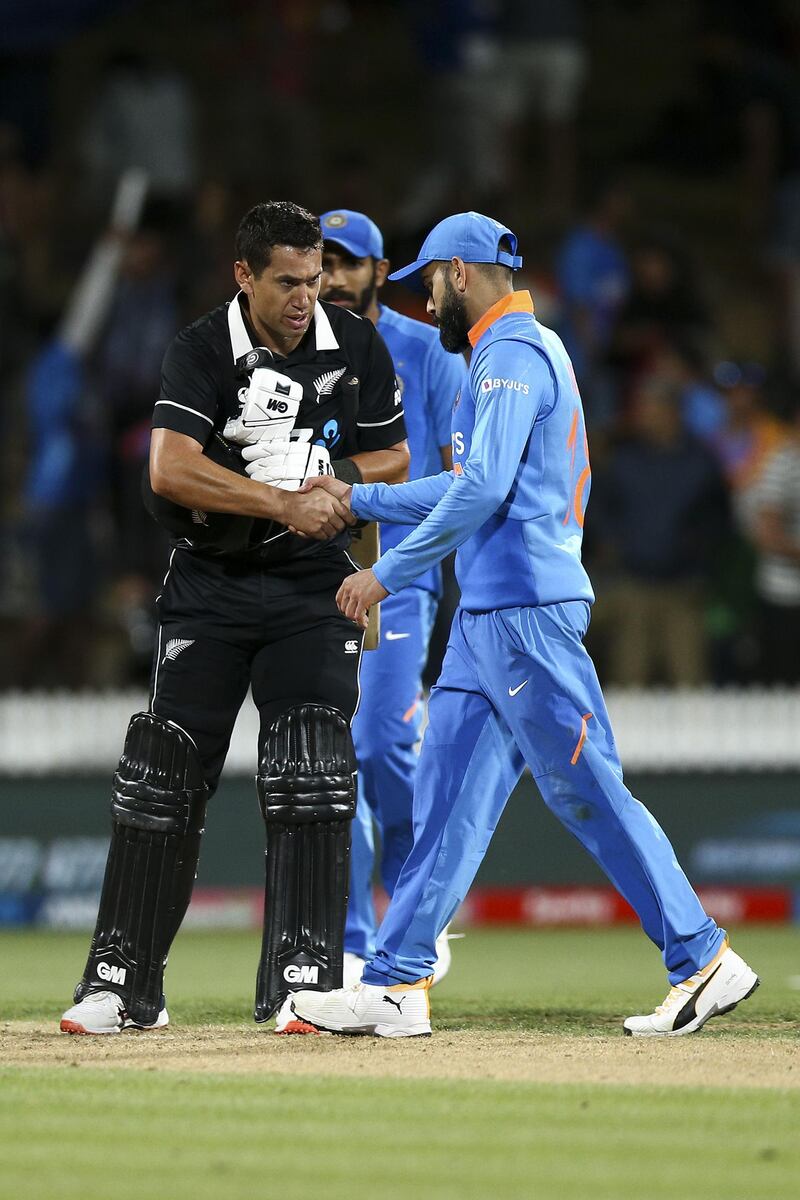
276	503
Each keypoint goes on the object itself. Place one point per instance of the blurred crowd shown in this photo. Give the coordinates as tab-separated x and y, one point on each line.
650	163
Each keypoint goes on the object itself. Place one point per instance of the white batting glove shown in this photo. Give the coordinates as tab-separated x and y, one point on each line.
286	464
269	407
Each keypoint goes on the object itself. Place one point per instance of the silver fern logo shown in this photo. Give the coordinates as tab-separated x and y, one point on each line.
327	382
176	646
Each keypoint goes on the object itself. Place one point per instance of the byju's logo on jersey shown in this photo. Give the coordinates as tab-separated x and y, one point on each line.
511	385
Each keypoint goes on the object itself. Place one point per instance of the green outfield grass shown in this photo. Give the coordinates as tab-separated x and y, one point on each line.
134	1135
567	980
74	1129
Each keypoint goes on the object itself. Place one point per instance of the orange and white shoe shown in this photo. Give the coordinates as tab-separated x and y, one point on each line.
402	1010
287	1021
104	1012
716	989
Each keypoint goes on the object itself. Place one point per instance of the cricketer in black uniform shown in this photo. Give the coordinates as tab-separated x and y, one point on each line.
256	396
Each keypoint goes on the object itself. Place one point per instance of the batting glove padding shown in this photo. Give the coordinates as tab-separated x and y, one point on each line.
270	404
287	464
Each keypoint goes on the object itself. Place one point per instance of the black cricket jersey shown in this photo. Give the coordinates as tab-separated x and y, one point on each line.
351	400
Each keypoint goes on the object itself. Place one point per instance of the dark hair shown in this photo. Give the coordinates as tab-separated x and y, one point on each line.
275	223
498	272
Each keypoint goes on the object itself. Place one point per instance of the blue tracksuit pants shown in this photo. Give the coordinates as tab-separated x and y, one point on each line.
386	729
517	687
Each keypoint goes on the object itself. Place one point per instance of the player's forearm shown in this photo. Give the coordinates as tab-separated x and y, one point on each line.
467	505
404	503
194	481
499	438
384	466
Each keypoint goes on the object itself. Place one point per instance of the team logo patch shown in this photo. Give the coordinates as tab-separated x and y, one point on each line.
327	382
336	221
511	385
176	646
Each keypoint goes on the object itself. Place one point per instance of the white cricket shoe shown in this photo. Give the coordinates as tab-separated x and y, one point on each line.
717	988
286	1020
402	1010
104	1012
444	956
352	966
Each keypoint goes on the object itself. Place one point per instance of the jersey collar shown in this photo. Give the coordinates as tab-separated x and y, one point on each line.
241	341
513	302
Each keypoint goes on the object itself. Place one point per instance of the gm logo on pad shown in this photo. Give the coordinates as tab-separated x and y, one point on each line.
300	974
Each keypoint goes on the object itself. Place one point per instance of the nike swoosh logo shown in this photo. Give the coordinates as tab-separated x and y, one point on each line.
518	688
395	637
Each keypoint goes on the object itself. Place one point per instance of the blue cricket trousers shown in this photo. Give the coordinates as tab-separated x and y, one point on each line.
517	686
386	729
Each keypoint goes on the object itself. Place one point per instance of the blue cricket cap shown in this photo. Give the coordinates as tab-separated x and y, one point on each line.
354	231
470	236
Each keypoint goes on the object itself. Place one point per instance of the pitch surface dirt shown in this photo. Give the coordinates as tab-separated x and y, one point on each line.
764	1060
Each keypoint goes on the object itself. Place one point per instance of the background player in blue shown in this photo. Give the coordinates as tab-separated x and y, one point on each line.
387	724
517	685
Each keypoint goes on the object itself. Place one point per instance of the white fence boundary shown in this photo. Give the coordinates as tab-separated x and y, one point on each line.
707	730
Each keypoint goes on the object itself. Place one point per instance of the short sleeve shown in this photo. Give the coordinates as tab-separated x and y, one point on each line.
189	395
380	421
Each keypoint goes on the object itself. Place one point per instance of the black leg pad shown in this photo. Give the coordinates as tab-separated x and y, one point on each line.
307	792
158	811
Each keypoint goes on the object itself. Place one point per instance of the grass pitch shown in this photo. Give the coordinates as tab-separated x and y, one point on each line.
526	1090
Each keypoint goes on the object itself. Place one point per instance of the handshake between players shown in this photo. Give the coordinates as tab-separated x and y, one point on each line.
360	591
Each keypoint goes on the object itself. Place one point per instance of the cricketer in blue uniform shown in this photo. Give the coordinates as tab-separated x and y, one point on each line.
387	724
517	685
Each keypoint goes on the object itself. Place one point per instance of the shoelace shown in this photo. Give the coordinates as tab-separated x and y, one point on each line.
676	993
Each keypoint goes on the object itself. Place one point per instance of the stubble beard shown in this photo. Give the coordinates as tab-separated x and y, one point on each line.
361	302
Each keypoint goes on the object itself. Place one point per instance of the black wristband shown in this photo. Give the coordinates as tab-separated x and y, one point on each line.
346	470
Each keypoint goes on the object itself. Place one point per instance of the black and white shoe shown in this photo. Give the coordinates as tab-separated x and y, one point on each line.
716	989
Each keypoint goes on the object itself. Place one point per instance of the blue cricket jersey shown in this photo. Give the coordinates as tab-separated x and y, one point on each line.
514	504
429	379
